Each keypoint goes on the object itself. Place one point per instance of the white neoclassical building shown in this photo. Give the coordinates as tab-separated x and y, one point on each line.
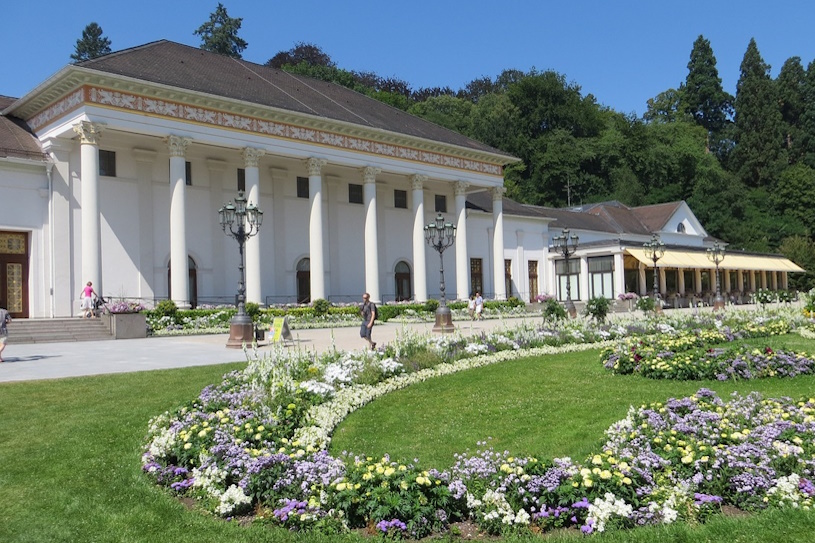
113	171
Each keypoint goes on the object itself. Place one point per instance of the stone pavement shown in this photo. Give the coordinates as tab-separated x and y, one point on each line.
72	359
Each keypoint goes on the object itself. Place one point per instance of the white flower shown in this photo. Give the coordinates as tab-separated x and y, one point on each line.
230	499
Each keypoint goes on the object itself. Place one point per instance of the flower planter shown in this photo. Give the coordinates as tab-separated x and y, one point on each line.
126	325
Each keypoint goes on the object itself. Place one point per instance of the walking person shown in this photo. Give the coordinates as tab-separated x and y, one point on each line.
479	306
368	312
471	307
5	318
86	300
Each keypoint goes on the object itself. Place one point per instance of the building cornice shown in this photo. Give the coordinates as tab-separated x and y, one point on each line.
75	87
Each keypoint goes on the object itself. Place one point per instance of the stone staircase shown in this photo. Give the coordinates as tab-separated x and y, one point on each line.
57	330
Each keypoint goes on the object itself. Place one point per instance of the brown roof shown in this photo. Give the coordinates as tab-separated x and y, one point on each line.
176	65
654	217
15	138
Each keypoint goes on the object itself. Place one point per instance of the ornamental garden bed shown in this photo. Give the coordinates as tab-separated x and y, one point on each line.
259	442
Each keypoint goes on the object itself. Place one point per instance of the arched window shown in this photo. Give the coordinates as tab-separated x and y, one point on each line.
193	286
403	282
680	228
304	281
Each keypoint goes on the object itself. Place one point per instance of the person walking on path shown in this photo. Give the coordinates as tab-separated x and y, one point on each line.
471	307
479	306
5	318
86	297
368	312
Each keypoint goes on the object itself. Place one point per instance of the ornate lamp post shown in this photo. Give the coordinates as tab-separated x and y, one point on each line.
716	254
440	235
241	221
655	250
566	245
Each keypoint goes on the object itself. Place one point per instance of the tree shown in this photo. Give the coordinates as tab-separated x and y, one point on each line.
759	153
220	34
309	53
790	90
664	107
807	121
703	97
800	250
91	45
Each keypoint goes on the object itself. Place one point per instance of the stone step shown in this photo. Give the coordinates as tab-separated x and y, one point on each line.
57	330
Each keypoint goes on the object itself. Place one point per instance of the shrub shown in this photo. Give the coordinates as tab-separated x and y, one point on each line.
598	308
552	310
321	307
646	304
431	305
252	309
166	308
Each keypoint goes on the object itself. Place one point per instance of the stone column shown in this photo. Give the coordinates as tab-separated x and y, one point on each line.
726	286
698	273
663	288
179	273
462	260
498	243
419	246
619	275
254	278
740	281
89	135
145	160
644	290
315	227
583	280
680	280
752	280
763	279
371	233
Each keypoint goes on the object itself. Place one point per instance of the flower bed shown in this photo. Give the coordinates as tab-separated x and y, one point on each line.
688	355
258	442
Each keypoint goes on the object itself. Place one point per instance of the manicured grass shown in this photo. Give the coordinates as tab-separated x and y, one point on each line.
70	448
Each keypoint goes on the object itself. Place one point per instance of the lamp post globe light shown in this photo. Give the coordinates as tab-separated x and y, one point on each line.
566	245
716	254
655	250
241	221
440	235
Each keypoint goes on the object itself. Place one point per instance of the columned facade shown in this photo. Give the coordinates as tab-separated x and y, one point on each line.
371	235
89	135
254	277
179	272
498	243
315	227
419	247
462	261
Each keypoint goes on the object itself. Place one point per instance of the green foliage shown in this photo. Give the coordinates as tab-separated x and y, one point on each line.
553	310
645	304
800	250
252	309
598	308
166	308
91	45
220	34
321	306
431	305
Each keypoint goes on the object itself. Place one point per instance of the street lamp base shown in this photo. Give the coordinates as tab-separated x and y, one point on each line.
239	334
718	303
571	309
444	320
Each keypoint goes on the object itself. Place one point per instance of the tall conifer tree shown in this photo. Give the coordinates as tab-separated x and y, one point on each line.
759	151
220	34
91	45
790	88
703	97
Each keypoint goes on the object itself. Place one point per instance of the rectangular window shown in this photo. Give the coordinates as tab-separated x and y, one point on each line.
570	277
241	180
508	277
354	193
302	187
476	276
706	281
601	276
671	281
188	173
400	199
533	280
107	163
441	203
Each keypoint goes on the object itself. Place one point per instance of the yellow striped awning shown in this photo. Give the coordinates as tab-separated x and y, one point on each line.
698	260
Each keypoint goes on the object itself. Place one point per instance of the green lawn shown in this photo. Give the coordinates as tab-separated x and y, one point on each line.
69	449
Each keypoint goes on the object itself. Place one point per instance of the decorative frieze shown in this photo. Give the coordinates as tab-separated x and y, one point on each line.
176	110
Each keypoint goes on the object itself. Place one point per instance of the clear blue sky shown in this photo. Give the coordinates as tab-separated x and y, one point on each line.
622	52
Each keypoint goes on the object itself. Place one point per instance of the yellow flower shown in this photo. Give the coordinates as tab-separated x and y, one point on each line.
605	474
187	446
389	472
626	481
341	486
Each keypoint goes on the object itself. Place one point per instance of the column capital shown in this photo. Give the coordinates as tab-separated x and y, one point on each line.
417	181
315	165
177	145
251	156
369	174
460	187
497	193
89	133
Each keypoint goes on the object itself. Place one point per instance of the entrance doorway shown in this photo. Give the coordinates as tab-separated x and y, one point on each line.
14	273
304	281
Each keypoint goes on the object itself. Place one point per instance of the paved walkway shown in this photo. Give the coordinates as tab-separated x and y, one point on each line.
72	359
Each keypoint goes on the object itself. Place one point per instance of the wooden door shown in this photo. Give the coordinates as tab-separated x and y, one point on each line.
14	273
